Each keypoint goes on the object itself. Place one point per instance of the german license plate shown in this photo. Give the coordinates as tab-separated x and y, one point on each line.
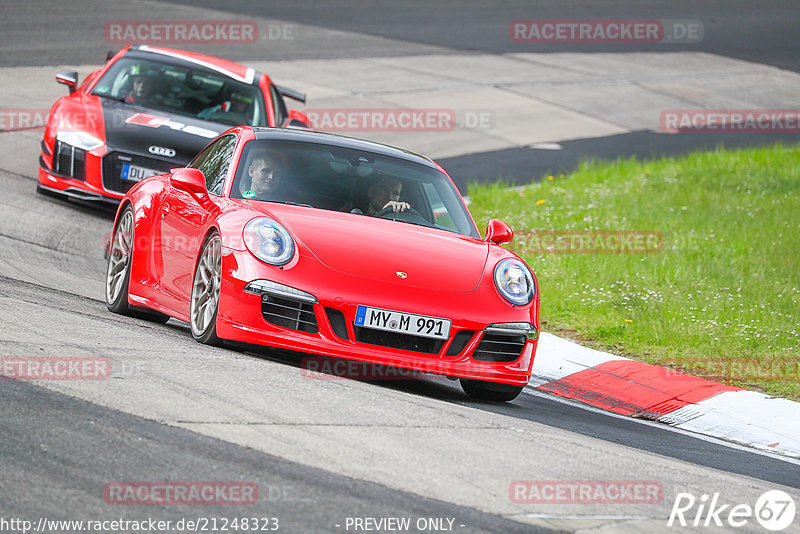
135	173
403	323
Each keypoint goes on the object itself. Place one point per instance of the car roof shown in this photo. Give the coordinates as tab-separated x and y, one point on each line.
229	69
311	136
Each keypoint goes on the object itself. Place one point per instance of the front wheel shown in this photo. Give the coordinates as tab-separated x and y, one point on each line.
118	273
204	302
119	264
490	391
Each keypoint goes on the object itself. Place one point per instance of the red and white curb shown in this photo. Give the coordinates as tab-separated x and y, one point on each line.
638	389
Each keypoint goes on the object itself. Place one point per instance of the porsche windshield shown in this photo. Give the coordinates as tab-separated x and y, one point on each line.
350	180
182	90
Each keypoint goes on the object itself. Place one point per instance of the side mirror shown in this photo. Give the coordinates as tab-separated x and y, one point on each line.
297	119
189	180
498	232
68	78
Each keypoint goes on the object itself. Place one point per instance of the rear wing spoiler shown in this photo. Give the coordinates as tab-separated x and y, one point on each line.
291	93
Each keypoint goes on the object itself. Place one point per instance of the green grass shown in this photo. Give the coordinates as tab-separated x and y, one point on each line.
720	300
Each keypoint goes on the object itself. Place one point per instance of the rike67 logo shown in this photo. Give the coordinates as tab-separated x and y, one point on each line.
774	510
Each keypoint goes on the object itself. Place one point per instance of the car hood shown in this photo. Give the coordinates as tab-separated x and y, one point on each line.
384	250
131	128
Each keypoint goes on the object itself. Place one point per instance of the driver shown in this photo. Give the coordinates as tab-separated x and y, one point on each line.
265	176
384	193
144	90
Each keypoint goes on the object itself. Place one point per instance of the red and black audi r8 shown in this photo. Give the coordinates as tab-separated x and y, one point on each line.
328	245
146	111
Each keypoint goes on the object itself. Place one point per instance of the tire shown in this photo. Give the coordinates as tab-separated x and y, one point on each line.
204	299
118	272
490	391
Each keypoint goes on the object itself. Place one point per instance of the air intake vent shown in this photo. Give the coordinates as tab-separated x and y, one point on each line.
69	161
499	348
398	341
338	322
289	313
460	341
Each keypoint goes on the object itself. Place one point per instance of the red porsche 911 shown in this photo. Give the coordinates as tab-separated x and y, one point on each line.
147	110
327	245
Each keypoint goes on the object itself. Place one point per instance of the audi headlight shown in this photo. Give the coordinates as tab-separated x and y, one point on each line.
268	241
80	140
514	281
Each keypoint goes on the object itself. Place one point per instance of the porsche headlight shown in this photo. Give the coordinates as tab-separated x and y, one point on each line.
268	241
81	140
514	281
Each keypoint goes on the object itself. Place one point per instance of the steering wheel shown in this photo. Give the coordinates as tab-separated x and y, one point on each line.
410	215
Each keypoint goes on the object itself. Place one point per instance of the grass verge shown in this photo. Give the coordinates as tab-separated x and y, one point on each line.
718	297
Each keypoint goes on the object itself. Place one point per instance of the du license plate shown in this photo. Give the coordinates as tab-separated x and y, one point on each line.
135	173
404	323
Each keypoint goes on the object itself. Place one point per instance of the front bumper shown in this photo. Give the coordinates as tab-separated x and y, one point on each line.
88	189
325	324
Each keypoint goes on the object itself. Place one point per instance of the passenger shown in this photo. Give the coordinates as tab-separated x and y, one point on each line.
239	104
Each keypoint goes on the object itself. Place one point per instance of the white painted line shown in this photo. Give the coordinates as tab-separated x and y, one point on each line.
546	146
598	517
